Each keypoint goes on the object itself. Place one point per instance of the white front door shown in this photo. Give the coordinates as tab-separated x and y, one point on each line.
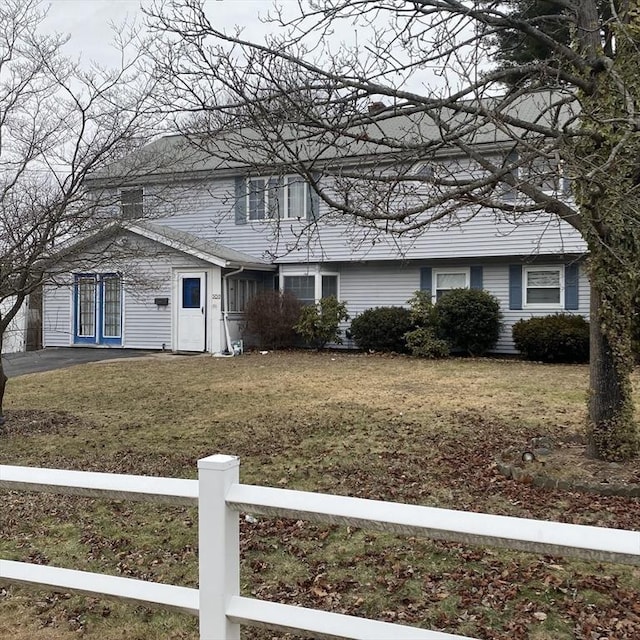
192	311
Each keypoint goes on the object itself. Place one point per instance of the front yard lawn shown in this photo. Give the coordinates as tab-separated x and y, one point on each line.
391	428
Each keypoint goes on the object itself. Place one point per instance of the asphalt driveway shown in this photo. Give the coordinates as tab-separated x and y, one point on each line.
17	364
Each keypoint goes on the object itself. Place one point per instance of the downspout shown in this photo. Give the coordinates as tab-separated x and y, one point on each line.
225	312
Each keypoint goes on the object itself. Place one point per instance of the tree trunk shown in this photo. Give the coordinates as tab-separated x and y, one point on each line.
3	385
611	432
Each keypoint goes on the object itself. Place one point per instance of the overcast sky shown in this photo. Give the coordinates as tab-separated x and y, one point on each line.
89	21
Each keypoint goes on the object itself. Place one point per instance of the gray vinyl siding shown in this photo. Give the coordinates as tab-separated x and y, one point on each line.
498	285
380	284
57	315
207	210
145	325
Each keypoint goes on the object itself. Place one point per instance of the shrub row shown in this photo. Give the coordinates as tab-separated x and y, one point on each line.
463	320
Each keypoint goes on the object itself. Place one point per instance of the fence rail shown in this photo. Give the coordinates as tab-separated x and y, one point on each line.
220	497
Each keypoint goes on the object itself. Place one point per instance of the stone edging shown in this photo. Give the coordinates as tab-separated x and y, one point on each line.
520	474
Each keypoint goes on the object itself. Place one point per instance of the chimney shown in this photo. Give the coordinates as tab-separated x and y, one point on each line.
375	108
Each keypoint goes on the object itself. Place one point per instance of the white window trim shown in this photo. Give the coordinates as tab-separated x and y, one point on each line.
285	205
305	198
546	305
317	280
466	271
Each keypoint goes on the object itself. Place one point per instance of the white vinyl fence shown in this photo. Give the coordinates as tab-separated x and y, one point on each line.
220	497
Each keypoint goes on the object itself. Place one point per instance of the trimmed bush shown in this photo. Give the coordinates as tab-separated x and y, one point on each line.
469	320
423	343
320	323
271	316
382	329
556	338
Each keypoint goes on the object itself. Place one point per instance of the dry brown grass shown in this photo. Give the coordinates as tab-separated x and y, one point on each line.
392	428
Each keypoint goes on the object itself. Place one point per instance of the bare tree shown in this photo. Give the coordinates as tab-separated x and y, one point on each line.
59	123
518	129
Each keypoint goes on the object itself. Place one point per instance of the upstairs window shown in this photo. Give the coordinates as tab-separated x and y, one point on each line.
540	172
268	198
131	206
277	198
543	174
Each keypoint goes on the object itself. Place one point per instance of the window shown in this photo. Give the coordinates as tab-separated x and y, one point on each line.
309	288
98	309
257	198
191	293
446	279
302	287
543	174
86	309
269	198
111	306
131	203
329	286
543	286
240	292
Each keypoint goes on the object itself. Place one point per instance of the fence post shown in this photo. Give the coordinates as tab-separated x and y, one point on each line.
219	546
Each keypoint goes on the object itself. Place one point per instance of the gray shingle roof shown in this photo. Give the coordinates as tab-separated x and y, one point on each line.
205	249
178	157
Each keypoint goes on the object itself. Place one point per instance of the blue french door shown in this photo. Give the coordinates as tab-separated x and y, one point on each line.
98	309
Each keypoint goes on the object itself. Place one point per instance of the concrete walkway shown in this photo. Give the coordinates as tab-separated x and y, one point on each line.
17	364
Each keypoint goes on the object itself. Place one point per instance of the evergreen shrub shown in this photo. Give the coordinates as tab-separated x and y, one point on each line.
423	343
320	323
560	337
382	329
469	320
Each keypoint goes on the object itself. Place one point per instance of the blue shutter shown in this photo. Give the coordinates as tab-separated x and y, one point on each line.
313	199
425	279
571	276
241	200
475	277
515	286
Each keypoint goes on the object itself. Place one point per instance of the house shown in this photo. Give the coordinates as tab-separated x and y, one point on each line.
197	240
24	332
